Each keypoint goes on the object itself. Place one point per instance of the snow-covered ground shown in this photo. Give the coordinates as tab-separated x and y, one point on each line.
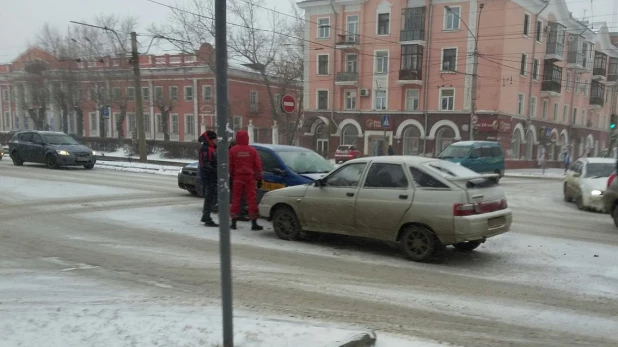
168	170
154	156
552	173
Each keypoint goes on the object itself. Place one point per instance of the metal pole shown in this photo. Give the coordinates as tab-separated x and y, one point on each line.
139	109
475	76
223	174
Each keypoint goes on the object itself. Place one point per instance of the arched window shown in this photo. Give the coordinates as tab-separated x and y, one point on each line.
349	135
516	144
321	140
445	136
530	146
411	141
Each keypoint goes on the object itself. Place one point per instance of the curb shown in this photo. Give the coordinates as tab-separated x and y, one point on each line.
535	177
135	160
361	340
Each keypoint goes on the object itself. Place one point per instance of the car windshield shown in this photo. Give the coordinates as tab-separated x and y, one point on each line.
192	165
343	148
454	152
599	170
60	139
305	162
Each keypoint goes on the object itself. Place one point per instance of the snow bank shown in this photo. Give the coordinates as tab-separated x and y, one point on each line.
155	156
168	170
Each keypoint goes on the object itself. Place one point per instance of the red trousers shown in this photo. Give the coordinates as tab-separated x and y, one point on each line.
244	185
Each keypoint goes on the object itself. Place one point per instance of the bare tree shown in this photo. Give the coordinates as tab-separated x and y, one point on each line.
165	103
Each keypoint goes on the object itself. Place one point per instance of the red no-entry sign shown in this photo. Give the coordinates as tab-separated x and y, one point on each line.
288	104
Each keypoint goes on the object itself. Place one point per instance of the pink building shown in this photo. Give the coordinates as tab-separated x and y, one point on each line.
184	82
383	72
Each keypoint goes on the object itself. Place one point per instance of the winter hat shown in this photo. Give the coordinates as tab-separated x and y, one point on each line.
211	134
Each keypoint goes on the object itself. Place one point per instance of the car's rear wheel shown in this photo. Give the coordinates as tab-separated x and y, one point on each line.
419	243
51	161
286	224
615	216
567	198
467	246
89	166
17	161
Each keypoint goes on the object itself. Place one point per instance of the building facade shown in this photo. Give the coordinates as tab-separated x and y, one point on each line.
402	73
183	86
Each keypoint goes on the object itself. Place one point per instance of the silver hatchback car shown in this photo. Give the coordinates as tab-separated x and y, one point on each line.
422	203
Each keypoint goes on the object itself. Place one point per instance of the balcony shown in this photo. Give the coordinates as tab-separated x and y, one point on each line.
599	70
412	36
552	80
346	79
612	76
554	49
348	42
597	95
410	76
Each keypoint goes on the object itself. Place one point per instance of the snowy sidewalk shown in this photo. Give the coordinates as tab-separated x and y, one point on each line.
551	173
168	170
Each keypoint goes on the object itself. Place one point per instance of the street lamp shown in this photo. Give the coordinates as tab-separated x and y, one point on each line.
475	64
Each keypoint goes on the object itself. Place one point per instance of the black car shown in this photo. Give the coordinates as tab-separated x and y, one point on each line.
51	148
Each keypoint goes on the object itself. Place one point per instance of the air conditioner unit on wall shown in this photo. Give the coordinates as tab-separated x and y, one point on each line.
365	92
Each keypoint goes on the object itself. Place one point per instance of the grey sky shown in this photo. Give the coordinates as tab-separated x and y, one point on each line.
20	20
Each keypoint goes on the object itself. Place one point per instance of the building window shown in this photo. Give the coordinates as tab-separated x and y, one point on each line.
522	68
159	124
5	95
132	123
145	93
574	121
350	99
586	87
520	103
380	99
527	24
384	21
533	107
568	81
349	135
158	93
146	123
411	141
278	99
322	99
253	100
412	96
94	122
174	127
451	17
116	95
351	62
535	69
188	93
539	31
578	85
131	93
323	64
189	124
352	29
92	94
412	60
382	62
449	59
447	99
323	28
565	113
236	123
207	93
555	118
173	93
545	109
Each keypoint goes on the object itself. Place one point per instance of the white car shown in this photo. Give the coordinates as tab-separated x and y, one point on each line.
586	181
423	204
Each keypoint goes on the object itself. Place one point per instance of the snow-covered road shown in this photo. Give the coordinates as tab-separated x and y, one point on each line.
102	238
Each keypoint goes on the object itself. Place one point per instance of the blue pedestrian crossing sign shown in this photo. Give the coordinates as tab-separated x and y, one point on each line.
386	121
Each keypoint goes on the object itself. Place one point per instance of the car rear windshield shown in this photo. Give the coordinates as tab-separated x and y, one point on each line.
455	170
305	162
59	139
343	148
454	152
598	170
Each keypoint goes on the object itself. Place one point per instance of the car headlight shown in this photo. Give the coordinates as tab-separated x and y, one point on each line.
94	153
63	152
596	192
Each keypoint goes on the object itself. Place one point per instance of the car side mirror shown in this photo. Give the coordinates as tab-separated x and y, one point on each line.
278	172
319	183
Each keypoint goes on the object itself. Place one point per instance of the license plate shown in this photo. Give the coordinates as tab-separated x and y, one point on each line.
82	158
268	186
496	222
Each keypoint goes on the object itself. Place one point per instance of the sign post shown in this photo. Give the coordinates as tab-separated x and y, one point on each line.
288	104
386	123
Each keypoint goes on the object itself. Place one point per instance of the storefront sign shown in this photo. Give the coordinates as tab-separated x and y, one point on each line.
493	125
375	123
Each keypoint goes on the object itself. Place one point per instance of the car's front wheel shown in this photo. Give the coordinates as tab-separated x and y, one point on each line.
286	224
567	198
17	161
579	200
419	243
615	216
51	161
467	246
89	166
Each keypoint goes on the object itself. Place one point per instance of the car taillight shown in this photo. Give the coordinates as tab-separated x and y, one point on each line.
461	210
610	179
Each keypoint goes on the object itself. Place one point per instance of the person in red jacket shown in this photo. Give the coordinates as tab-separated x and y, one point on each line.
246	175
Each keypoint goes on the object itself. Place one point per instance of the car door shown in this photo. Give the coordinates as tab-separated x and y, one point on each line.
383	200
571	178
23	146
272	169
578	177
486	162
474	157
328	205
37	148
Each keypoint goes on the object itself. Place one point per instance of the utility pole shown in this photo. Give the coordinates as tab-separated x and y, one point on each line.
139	109
223	171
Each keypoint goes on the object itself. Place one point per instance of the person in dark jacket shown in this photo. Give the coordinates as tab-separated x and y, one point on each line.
208	174
391	150
246	174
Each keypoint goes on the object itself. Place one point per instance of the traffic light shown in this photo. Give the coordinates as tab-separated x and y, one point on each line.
612	121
